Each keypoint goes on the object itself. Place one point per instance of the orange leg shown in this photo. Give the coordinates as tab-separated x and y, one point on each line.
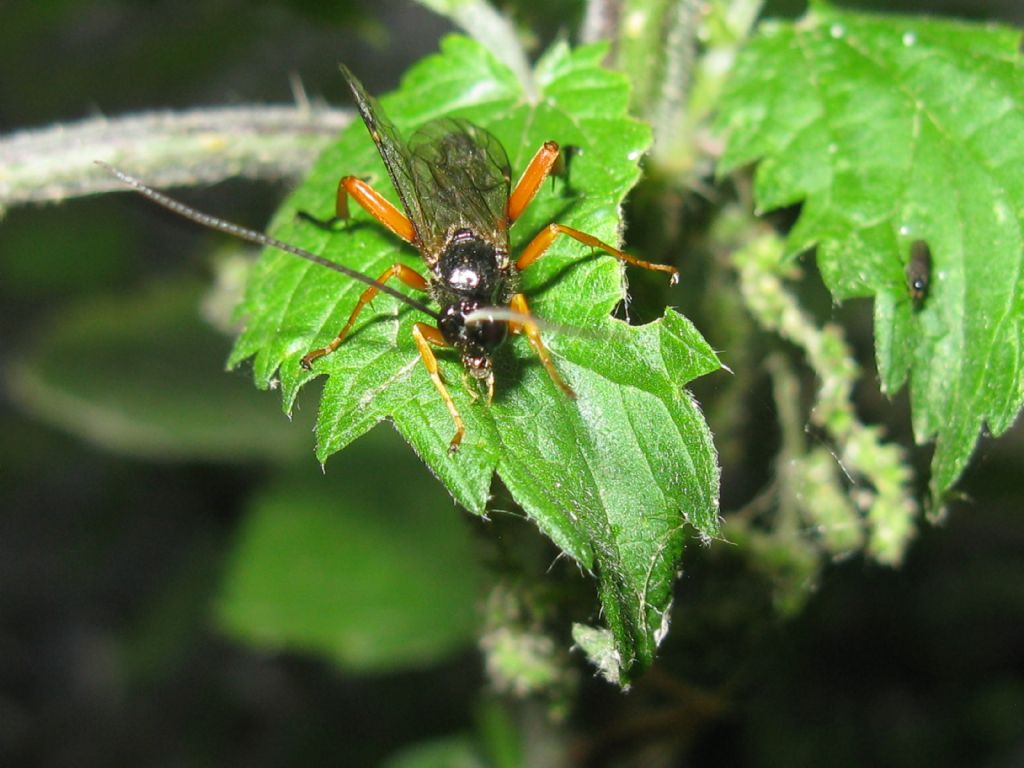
408	276
547	236
425	335
538	169
373	202
519	304
375	205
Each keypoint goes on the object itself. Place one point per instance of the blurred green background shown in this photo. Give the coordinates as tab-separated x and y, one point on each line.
156	511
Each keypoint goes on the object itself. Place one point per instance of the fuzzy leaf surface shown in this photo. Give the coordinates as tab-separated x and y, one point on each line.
612	477
891	130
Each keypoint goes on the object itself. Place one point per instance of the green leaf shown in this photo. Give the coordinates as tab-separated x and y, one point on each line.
892	130
143	375
612	477
368	565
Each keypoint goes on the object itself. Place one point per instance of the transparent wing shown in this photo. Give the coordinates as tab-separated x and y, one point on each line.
462	178
392	150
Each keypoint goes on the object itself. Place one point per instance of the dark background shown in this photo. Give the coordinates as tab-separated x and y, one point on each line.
108	562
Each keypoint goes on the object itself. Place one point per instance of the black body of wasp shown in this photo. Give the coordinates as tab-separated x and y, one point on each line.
469	278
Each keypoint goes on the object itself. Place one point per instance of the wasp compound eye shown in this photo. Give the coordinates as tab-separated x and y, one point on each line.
488	334
452	324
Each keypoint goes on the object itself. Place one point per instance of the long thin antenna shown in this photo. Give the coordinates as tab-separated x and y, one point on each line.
508	315
259	238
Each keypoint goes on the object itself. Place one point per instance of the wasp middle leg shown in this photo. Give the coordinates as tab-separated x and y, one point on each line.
544	162
407	275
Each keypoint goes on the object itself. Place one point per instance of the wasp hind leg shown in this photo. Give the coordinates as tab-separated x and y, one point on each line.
372	202
425	335
547	236
407	275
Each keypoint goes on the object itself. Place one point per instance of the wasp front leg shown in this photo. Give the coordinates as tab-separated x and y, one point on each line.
407	275
518	304
425	335
543	163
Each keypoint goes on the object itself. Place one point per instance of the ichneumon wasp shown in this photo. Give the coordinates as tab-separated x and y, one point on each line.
453	180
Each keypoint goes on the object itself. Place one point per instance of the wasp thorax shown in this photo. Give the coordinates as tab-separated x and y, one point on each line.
469	266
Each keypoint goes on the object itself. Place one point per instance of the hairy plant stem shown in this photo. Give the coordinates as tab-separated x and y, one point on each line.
165	149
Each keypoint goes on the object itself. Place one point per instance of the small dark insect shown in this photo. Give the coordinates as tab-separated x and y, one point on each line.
919	271
453	179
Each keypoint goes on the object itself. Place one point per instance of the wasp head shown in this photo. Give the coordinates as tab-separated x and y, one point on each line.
476	341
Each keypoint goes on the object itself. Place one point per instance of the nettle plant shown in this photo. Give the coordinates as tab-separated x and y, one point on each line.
891	134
